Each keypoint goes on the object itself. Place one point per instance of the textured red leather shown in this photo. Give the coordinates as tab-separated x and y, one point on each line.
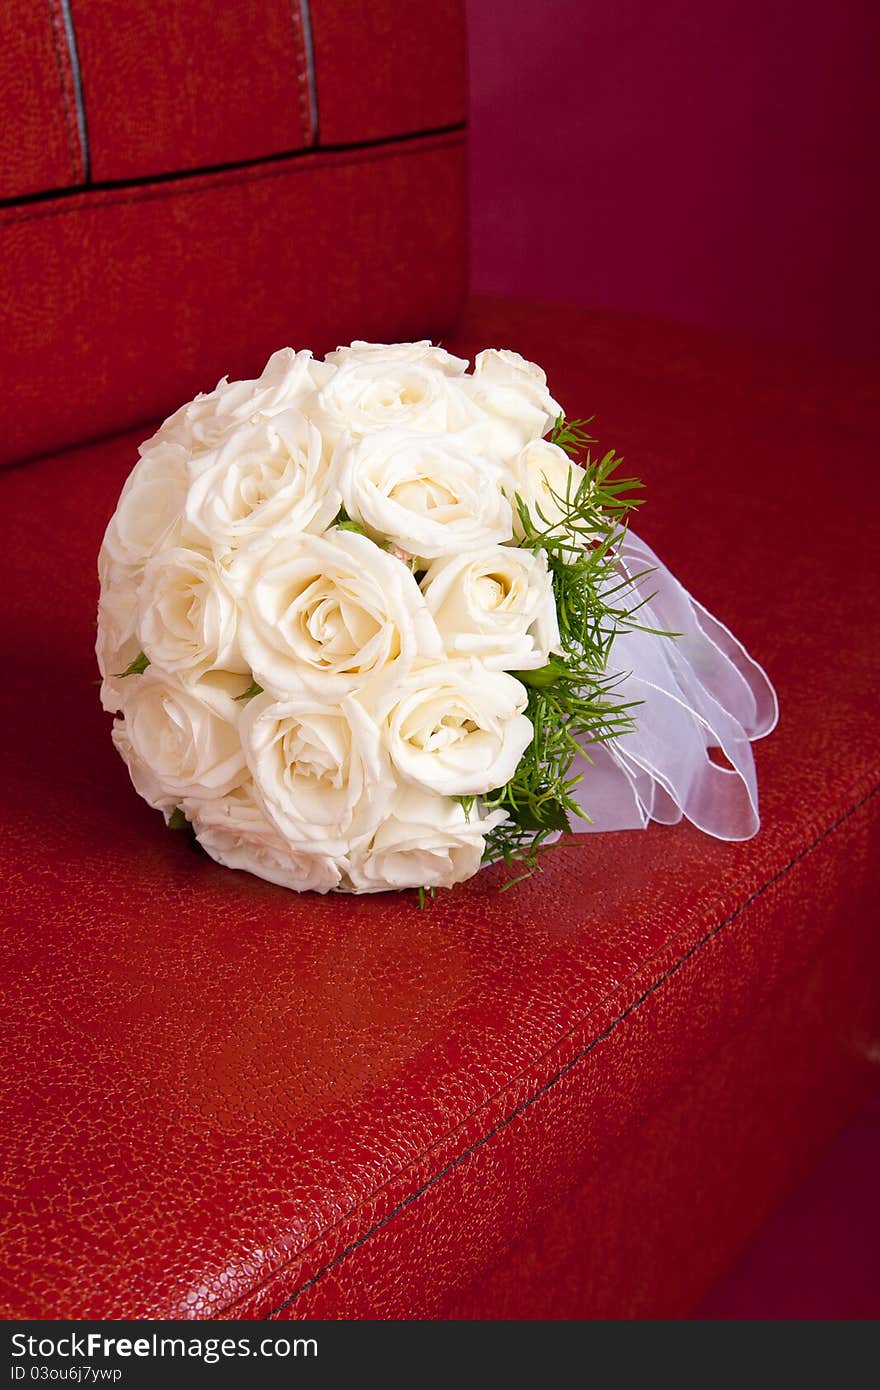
169	86
574	1098
39	142
120	303
383	69
691	1174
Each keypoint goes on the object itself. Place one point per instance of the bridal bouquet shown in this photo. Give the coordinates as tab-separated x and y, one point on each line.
373	621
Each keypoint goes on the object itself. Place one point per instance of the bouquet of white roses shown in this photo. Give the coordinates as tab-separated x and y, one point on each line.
357	615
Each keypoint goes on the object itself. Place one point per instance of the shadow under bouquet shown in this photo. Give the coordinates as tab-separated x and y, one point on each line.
371	622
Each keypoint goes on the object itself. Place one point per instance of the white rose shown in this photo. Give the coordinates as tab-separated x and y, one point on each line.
320	771
396	353
430	495
187	617
148	518
512	395
117	643
426	841
149	506
496	603
268	476
333	612
235	832
457	728
288	379
370	392
546	480
180	741
145	782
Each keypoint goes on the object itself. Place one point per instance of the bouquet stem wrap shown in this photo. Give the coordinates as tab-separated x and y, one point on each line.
698	690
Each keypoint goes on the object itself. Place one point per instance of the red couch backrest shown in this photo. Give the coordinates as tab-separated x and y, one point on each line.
185	187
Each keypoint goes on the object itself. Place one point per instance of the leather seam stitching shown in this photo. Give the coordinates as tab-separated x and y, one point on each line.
308	42
65	95
305	114
74	68
418	143
541	1090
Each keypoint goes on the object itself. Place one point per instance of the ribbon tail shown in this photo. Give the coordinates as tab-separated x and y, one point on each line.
697	691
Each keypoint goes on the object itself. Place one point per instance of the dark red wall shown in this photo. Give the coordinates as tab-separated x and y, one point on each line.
713	161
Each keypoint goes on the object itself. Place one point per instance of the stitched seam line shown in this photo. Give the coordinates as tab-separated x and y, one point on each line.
76	83
301	81
546	1086
305	15
65	94
422	143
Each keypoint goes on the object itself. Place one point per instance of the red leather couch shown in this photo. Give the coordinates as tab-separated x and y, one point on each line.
575	1099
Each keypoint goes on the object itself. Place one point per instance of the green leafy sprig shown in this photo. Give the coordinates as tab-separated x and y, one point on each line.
343	522
137	667
572	700
253	689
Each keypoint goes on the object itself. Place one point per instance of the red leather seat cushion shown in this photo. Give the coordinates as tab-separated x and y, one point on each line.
227	1100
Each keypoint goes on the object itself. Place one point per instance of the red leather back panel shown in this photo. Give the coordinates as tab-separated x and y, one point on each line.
169	86
384	68
124	303
128	281
39	141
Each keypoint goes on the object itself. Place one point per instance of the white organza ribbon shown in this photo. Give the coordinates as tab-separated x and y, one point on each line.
699	690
